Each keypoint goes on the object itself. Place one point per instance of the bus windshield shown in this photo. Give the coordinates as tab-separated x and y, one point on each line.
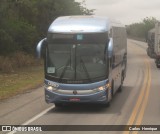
76	61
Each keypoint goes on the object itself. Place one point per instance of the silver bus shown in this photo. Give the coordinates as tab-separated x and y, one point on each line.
85	59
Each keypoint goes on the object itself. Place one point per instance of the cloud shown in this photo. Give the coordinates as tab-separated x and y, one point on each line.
102	2
143	4
127	11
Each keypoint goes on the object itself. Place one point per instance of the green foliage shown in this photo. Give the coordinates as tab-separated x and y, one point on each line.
139	30
16	61
20	81
22	35
6	43
24	22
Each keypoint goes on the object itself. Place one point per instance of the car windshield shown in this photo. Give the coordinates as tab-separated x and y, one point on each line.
76	62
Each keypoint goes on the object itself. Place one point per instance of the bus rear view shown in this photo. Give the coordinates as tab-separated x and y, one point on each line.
78	53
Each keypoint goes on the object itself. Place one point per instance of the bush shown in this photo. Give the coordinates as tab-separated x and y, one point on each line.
6	43
5	65
140	30
16	61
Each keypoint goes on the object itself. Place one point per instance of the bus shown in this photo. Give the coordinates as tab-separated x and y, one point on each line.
85	60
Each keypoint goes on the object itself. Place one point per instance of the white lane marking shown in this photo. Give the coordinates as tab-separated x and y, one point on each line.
38	116
34	118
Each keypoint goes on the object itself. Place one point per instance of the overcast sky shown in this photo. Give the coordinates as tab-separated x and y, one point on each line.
126	11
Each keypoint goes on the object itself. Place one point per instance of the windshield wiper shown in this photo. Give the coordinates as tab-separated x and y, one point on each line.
85	69
64	70
83	65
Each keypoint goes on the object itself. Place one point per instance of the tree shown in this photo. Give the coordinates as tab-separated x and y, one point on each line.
149	23
140	30
24	22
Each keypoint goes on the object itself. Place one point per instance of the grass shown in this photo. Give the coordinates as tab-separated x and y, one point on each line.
20	81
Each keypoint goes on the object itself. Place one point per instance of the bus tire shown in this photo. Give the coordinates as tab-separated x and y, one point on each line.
112	87
106	105
122	79
158	66
120	89
58	105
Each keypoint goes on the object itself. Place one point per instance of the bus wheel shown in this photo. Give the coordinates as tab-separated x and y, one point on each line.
112	88
58	105
158	63
158	66
106	105
120	87
110	95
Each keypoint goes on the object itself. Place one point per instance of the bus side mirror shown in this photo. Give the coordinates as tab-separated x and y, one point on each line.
110	48
39	48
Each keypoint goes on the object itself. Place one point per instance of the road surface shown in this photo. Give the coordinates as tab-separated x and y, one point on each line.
137	104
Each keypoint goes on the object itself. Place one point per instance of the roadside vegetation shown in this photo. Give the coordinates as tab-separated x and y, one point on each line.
20	81
139	30
23	23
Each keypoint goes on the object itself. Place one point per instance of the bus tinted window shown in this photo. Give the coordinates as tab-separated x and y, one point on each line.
96	38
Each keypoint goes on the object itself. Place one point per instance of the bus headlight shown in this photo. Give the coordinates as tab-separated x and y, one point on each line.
108	85
50	88
101	88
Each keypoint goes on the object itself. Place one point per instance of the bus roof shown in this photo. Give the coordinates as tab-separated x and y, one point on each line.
82	24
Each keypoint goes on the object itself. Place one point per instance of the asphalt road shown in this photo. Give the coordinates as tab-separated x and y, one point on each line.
137	104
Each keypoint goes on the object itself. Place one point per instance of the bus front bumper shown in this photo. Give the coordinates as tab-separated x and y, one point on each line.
98	97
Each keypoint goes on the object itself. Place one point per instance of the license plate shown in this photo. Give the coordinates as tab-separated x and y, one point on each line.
74	99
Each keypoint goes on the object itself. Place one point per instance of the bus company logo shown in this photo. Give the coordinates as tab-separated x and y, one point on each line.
6	128
74	92
53	84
